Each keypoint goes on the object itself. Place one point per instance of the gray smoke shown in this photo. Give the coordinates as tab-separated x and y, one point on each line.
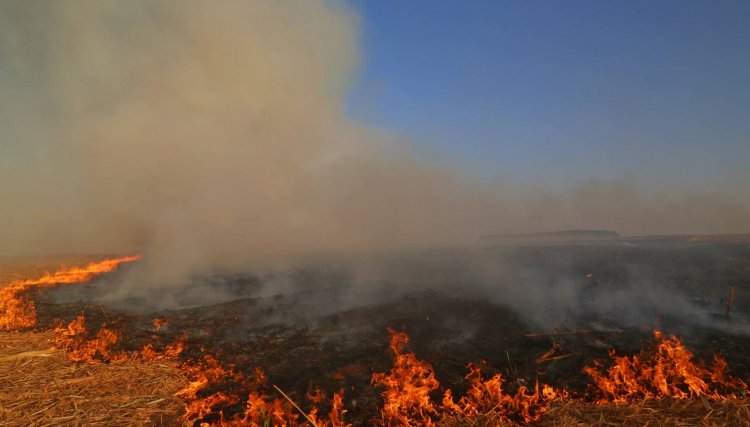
211	136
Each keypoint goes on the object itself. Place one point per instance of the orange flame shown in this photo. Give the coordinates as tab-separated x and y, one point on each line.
207	408
208	372
171	351
80	346
74	340
408	386
406	399
17	310
666	370
204	403
160	323
488	398
335	416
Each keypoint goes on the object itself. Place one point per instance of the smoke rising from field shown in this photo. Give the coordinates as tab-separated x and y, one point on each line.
208	135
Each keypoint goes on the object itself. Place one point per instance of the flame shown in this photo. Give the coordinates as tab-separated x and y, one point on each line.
207	372
666	370
409	384
17	310
205	404
217	395
406	399
335	416
160	323
74	340
81	345
171	351
207	408
486	397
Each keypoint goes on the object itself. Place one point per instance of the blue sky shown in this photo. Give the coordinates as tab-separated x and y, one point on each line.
555	92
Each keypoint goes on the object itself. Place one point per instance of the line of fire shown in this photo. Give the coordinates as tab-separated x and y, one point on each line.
435	356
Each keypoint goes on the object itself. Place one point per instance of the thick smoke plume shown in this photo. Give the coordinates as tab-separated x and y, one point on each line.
211	135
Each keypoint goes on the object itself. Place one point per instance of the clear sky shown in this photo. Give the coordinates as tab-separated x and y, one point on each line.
553	92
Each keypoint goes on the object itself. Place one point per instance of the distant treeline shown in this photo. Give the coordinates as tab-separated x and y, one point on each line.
552	236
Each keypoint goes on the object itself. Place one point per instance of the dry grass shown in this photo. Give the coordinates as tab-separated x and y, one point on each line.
671	413
695	412
40	387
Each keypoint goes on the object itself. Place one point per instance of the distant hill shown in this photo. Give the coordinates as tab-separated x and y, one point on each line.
552	237
693	238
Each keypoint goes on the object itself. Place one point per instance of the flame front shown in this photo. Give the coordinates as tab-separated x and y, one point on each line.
80	345
217	395
17	310
666	370
410	383
487	397
206	406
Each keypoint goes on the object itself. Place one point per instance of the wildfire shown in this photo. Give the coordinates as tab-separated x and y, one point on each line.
205	404
203	375
486	397
81	345
73	339
219	395
407	387
171	351
206	407
17	310
666	370
410	383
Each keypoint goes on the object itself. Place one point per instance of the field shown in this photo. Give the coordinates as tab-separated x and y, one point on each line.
534	313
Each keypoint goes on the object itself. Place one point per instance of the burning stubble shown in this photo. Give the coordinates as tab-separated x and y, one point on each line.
213	136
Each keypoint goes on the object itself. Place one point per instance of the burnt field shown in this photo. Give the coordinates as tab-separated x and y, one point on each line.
531	313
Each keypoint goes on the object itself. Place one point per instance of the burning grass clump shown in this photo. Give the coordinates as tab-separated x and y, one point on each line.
220	396
104	346
410	383
664	370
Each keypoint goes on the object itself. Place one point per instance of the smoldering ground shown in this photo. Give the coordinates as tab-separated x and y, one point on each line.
571	286
211	136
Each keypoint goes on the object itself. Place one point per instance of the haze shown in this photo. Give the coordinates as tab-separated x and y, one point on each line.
213	134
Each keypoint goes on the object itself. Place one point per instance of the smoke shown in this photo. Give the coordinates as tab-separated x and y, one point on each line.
212	135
